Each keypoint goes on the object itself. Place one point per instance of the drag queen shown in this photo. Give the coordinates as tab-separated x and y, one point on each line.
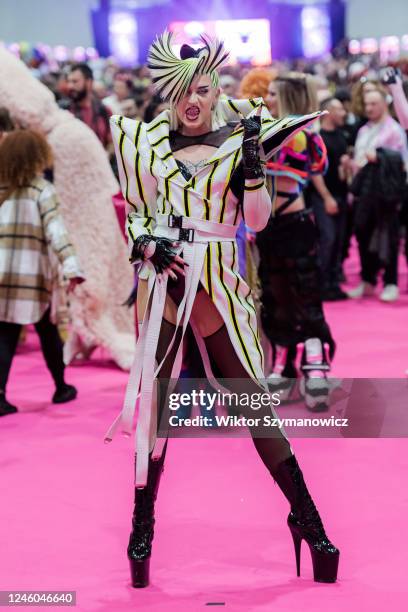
189	177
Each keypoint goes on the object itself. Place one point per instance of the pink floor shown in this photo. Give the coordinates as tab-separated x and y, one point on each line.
65	497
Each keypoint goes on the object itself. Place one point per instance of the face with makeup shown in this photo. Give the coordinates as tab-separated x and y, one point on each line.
195	108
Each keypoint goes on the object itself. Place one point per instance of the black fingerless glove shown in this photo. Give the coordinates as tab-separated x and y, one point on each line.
250	148
139	247
162	256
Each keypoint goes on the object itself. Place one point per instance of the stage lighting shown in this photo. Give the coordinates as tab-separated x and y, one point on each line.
79	54
369	45
123	37
404	42
61	53
389	48
92	53
354	47
248	40
316	36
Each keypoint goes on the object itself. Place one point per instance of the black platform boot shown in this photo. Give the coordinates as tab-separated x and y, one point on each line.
305	523
140	541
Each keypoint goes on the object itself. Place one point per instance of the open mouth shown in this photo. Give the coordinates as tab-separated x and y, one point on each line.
192	113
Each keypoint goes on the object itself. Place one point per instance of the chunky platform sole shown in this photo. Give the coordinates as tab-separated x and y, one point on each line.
325	565
139	572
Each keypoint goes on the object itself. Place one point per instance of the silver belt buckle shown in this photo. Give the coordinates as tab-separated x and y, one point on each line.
175	222
187	235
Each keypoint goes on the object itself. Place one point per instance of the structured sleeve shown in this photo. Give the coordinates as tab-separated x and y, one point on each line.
56	233
138	184
274	132
277	132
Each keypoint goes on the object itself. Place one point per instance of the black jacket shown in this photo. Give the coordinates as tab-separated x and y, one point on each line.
384	179
379	188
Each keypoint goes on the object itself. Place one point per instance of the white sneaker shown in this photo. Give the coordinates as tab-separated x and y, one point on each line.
390	293
363	289
282	385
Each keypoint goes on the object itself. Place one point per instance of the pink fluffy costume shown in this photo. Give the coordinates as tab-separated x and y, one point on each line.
85	186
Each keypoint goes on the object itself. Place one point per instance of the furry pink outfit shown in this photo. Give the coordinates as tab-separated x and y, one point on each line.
85	185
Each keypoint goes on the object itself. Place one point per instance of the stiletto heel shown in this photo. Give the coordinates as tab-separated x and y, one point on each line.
305	523
297	541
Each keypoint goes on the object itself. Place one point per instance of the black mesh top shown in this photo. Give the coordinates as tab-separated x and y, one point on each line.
212	139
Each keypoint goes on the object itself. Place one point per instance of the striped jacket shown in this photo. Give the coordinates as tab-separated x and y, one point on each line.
157	193
32	241
152	184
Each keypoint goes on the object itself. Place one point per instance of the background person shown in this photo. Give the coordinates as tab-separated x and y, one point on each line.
30	223
375	205
85	105
291	301
328	197
122	90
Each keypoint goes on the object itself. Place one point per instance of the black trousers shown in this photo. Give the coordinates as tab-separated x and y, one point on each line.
331	238
365	222
51	346
291	303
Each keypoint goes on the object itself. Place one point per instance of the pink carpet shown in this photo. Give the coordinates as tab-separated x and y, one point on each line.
221	536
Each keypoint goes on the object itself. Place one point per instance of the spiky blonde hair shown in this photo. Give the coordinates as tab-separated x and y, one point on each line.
172	75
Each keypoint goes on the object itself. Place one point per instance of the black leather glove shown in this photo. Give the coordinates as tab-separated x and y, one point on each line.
390	75
250	148
163	255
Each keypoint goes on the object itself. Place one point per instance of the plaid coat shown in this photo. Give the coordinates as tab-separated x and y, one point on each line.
33	239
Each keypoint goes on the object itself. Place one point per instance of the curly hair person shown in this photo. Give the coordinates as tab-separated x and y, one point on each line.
23	154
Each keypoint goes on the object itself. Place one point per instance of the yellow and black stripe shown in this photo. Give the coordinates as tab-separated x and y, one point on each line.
137	172
227	186
255	335
162	139
232	311
163	211
167	182
152	158
207	198
207	268
186	201
156	125
122	159
232	105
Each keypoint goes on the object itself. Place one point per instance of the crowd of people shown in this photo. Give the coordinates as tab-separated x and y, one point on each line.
251	178
358	122
352	180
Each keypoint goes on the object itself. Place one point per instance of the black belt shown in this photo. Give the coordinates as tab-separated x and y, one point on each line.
289	218
186	235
